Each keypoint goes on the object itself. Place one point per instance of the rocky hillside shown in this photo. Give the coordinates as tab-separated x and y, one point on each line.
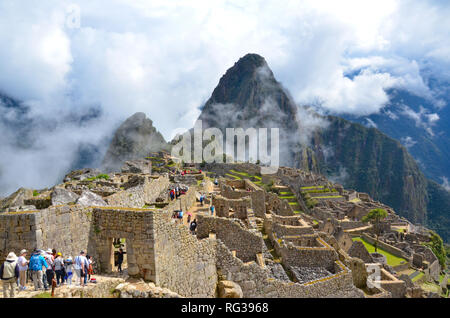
362	158
134	139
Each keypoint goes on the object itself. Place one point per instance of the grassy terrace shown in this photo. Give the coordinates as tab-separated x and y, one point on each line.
392	260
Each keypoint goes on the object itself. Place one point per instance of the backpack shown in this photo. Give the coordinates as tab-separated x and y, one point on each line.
35	262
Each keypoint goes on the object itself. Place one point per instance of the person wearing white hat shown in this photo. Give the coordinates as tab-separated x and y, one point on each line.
9	273
23	267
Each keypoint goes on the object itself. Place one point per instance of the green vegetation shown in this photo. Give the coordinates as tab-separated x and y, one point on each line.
35	193
43	295
415	279
437	246
98	177
328	197
324	190
392	260
375	216
312	187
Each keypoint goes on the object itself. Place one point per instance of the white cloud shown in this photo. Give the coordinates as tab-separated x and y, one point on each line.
423	118
408	141
165	57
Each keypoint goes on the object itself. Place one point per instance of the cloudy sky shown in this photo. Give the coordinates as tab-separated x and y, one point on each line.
164	58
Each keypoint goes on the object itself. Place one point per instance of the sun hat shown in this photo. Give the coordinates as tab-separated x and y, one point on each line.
11	257
23	251
49	251
59	254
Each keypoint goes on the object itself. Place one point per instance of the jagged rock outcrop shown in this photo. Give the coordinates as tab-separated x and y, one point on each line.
137	166
62	196
249	96
16	199
89	198
134	139
229	289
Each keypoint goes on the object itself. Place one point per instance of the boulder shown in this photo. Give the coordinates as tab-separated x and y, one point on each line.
89	198
62	196
229	289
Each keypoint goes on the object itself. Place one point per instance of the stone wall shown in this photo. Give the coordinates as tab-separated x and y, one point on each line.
184	264
281	230
240	206
65	228
136	226
233	234
141	194
255	281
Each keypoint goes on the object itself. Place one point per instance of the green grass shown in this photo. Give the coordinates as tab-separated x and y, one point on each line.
100	176
43	295
287	196
233	176
415	279
312	187
328	197
35	193
286	193
392	260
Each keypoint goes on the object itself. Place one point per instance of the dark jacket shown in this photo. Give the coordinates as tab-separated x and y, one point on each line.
16	271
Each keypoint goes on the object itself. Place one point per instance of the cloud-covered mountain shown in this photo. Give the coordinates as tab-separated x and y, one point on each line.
420	125
361	158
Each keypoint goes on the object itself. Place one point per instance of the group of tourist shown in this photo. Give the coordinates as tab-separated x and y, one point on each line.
176	192
46	269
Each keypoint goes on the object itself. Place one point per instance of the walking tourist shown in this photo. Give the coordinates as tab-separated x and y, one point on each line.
120	260
23	267
68	265
37	261
9	273
59	269
193	226
212	209
50	272
80	267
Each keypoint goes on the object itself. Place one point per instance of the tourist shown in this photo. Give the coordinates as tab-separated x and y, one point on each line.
59	269
44	271
193	226
120	260
23	267
216	182
68	265
50	272
201	199
189	214
80	267
90	267
172	194
212	209
9	273
180	216
37	261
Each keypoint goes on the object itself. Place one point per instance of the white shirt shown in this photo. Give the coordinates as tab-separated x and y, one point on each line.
20	261
79	262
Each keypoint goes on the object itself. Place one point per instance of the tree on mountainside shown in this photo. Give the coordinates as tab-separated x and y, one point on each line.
375	216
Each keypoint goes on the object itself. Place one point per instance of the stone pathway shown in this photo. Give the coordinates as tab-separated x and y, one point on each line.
104	283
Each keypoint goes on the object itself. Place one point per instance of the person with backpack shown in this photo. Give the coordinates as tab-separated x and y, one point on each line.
193	226
80	267
59	269
68	265
212	209
9	273
37	261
